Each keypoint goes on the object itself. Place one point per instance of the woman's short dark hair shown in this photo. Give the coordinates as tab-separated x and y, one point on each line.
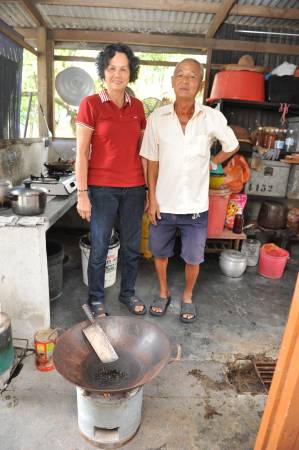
104	57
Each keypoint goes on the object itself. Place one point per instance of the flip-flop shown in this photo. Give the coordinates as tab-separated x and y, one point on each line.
98	310
188	308
161	303
131	303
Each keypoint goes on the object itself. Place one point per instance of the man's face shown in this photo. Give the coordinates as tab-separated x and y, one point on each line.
187	80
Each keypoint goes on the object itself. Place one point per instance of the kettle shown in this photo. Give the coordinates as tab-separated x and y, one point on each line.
272	215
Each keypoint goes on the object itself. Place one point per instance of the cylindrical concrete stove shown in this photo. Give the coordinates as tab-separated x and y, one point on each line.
108	421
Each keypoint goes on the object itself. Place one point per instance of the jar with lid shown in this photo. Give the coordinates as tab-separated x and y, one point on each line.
280	139
259	137
290	141
269	138
238	223
251	248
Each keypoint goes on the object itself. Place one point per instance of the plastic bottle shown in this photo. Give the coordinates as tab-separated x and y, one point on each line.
290	141
280	139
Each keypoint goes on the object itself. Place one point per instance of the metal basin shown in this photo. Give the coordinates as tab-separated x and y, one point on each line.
143	350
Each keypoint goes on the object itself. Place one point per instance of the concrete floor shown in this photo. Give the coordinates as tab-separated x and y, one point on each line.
237	317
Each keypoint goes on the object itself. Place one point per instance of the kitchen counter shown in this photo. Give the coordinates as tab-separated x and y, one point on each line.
56	207
24	272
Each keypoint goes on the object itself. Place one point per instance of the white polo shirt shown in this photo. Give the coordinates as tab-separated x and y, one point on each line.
183	179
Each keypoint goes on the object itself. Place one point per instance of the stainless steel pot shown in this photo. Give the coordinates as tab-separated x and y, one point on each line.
27	201
5	185
232	263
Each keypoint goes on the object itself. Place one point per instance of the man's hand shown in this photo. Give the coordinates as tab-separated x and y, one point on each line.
154	211
84	206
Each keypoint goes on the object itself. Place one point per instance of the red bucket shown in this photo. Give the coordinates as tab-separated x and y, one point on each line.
218	200
272	261
238	84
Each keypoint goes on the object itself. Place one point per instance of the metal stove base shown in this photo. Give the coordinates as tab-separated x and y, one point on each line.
109	422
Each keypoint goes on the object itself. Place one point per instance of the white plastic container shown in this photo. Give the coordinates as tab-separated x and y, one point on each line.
111	261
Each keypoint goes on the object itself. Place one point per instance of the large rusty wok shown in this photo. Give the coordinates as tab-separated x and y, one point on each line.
143	350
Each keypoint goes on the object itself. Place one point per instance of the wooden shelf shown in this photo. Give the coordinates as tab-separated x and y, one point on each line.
293	108
224	241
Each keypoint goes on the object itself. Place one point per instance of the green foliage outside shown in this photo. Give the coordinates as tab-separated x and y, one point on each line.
154	82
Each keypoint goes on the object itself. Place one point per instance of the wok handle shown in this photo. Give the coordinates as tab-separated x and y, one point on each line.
88	313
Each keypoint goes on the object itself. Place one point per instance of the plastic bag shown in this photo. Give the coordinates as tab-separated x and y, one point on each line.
236	205
237	173
284	69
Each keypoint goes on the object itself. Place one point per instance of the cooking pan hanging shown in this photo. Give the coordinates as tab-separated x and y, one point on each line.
73	84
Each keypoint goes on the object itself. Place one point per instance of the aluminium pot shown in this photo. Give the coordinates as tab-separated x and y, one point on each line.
27	201
5	185
232	263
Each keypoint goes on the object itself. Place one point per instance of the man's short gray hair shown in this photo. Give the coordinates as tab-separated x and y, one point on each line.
201	71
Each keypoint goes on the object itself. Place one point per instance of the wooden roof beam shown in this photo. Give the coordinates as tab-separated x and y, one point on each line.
34	13
17	38
222	13
161	40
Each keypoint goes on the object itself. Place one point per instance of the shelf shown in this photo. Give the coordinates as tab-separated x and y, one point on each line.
255	105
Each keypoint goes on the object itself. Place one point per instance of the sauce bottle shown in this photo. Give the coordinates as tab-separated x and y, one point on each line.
238	224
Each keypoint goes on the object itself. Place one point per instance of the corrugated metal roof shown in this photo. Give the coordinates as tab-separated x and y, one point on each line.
261	22
15	15
270	3
125	19
142	21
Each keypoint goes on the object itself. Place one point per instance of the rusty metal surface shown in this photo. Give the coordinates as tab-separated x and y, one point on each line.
143	350
265	371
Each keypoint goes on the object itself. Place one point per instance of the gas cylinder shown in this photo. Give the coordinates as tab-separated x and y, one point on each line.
144	244
6	347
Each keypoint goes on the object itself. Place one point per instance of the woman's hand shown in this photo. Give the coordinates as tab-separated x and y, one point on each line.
154	211
146	201
84	206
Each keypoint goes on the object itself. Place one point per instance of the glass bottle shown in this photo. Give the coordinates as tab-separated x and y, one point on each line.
259	137
238	224
280	139
269	138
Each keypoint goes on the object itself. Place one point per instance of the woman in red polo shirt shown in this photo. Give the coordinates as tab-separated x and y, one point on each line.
109	173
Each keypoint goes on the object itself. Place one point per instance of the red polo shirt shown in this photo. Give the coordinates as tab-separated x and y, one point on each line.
114	157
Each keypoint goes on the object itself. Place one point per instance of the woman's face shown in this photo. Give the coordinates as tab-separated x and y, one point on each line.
117	74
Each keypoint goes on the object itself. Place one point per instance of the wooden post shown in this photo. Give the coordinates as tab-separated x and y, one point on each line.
207	75
50	86
279	426
45	81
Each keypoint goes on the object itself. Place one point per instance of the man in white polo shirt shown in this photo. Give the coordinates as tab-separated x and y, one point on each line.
177	143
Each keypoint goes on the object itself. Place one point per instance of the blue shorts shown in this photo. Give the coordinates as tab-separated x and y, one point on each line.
193	229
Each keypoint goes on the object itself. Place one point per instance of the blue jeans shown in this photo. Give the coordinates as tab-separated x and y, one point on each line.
108	203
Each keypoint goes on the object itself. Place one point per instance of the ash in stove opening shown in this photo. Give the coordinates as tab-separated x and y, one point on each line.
107	375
